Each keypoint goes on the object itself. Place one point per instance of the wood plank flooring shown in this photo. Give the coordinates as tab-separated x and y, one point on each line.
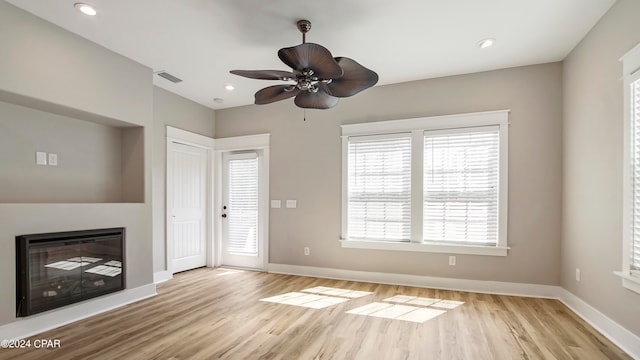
217	314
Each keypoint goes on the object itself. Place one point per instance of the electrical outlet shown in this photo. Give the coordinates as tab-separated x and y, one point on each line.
452	260
306	251
577	274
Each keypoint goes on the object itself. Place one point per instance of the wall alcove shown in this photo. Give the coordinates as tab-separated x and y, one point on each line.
99	159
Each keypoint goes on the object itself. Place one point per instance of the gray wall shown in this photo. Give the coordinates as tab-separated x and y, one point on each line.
306	165
44	64
133	164
592	149
172	110
91	175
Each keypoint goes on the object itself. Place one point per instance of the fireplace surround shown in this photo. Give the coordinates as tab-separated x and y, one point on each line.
58	269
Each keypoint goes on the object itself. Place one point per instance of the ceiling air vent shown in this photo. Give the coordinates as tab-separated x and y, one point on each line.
169	77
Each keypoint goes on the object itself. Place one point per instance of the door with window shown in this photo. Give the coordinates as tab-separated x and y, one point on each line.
242	243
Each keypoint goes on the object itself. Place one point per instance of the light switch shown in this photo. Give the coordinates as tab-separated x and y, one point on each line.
276	204
41	158
292	204
53	159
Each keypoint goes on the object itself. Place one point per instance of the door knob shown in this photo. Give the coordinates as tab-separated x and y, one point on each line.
224	215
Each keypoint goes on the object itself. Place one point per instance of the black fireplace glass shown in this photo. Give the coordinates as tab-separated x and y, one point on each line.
59	269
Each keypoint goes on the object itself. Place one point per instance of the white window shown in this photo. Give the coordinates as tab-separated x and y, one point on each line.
634	89
380	188
242	204
434	184
461	186
631	188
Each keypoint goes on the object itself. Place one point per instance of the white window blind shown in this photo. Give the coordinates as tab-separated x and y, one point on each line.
635	128
379	188
630	272
460	203
242	212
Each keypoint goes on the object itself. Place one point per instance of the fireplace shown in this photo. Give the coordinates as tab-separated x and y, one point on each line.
58	269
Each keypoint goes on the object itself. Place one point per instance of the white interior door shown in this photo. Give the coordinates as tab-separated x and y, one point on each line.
189	206
242	243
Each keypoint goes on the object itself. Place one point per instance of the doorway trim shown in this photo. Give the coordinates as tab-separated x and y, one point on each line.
192	139
243	143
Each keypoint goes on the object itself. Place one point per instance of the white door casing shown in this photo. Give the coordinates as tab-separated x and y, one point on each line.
213	220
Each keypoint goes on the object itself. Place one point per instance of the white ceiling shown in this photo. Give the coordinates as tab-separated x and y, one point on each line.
199	41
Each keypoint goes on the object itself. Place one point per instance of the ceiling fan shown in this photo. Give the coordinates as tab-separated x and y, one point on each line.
319	78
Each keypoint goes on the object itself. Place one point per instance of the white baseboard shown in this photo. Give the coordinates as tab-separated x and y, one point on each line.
36	324
613	331
488	287
619	335
161	276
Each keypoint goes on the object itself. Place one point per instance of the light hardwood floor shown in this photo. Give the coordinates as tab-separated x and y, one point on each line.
217	313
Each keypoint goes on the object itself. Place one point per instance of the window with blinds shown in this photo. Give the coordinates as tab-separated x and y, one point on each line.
432	184
635	151
242	212
379	188
460	201
630	272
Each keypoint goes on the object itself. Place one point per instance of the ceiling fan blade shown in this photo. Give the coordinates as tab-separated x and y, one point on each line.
265	74
355	79
275	93
315	100
311	56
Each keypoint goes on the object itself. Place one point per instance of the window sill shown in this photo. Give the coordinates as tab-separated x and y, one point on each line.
420	247
628	281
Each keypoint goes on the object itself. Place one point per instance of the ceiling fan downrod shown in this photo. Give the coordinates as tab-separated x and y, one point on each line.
306	81
304	26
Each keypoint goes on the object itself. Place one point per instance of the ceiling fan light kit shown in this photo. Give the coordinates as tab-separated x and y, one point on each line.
318	78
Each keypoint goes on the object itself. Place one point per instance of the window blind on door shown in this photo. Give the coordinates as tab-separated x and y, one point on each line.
242	212
379	188
460	191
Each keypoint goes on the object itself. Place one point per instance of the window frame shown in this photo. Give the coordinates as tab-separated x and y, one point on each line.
417	127
631	74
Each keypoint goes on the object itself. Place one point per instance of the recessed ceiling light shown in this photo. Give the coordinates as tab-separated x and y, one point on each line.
218	100
229	87
85	9
486	43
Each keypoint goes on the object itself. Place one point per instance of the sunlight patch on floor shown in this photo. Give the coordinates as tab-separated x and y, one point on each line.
317	297
399	307
397	312
420	301
351	294
313	301
407	308
223	272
